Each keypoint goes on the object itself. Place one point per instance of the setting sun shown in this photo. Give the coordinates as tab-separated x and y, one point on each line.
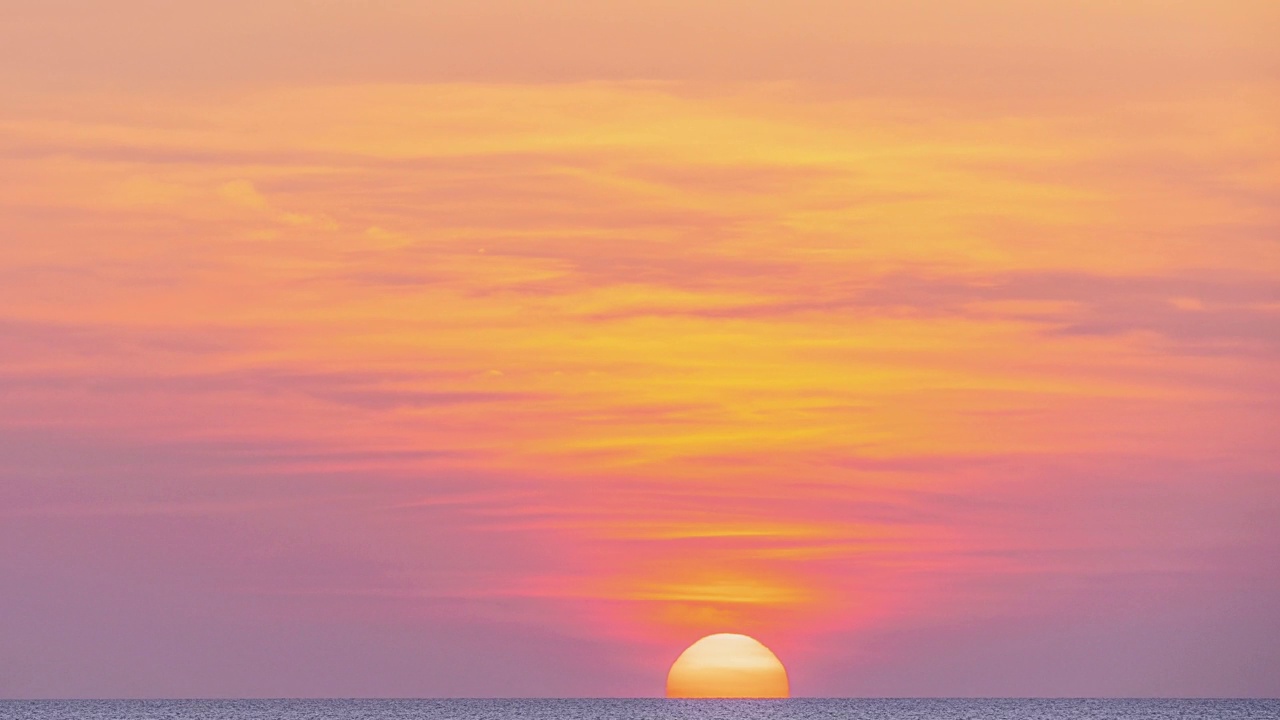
727	665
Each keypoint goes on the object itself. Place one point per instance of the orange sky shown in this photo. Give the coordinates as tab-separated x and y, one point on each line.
936	346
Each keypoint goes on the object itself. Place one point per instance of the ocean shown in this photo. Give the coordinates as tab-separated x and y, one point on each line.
643	709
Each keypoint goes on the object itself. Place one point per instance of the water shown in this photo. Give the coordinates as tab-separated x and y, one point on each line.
641	709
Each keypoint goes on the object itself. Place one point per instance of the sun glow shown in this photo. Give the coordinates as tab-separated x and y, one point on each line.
727	665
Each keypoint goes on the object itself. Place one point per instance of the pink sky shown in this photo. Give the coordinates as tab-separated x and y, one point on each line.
504	348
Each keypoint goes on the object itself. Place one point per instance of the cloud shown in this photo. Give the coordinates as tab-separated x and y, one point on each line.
374	391
976	49
1188	312
22	337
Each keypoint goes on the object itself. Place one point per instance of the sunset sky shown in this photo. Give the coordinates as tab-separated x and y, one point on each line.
498	348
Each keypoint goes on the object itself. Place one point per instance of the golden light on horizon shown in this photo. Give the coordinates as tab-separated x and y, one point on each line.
728	665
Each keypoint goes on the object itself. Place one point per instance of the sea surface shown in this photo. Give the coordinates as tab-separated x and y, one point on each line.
641	709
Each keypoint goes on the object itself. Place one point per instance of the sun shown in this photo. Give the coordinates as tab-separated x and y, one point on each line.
728	665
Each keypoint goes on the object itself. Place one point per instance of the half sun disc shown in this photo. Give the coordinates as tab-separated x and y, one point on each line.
727	665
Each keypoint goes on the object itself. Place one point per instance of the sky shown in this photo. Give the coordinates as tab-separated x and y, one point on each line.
505	348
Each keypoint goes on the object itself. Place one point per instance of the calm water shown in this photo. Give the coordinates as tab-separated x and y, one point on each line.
796	709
